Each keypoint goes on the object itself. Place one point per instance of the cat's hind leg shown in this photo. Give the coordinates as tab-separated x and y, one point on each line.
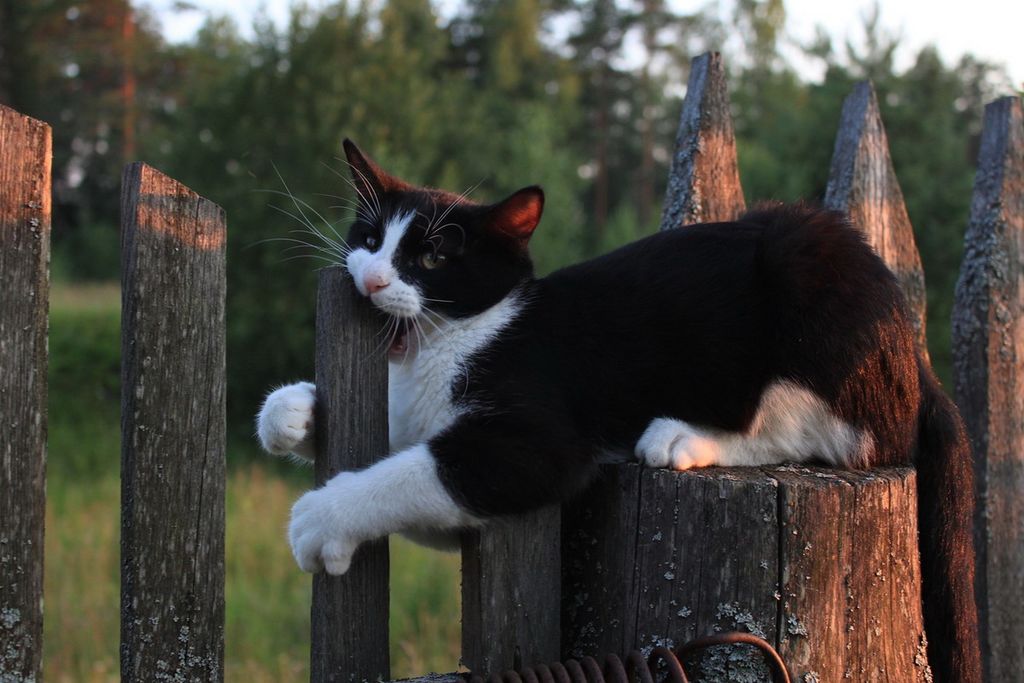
791	424
678	445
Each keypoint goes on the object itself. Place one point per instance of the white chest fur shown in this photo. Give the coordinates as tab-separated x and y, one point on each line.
420	389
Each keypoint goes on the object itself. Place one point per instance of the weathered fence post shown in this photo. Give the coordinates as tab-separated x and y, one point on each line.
24	300
511	592
350	613
988	355
704	181
172	430
821	563
862	183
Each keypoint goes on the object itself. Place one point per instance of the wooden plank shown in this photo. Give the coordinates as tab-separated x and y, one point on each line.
704	181
598	560
172	426
25	159
863	184
988	355
350	612
511	592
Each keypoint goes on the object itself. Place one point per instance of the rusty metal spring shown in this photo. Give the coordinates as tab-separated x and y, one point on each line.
637	669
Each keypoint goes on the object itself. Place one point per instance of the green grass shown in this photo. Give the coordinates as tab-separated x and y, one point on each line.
267	615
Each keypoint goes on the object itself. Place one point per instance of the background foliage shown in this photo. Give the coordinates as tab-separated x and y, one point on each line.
580	96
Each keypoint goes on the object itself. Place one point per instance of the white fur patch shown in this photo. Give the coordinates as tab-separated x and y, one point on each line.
420	401
792	424
402	492
285	421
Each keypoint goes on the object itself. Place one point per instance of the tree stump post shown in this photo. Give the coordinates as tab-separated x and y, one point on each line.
988	356
822	564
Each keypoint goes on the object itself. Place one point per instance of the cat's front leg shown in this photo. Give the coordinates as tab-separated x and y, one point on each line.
400	493
285	421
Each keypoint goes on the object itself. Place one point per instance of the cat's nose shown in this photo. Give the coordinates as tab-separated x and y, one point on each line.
374	282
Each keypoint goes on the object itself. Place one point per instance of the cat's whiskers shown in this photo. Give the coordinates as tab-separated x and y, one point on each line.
373	208
336	250
444	214
338	246
392	323
367	185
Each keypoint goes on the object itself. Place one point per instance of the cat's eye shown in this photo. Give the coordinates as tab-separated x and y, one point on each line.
430	260
370	241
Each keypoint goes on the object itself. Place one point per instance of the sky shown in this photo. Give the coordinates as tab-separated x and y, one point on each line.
992	30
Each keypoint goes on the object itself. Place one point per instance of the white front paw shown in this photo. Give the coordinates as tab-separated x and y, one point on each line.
318	532
285	422
676	444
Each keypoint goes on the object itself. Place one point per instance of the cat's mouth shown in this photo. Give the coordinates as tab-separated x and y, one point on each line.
399	348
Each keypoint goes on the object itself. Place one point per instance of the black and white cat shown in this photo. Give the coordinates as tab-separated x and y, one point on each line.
780	337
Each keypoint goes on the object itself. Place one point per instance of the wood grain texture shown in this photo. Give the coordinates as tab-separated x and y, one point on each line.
821	563
172	426
350	612
599	546
863	184
511	592
704	181
988	355
25	158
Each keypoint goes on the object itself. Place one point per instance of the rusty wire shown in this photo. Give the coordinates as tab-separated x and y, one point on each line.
636	668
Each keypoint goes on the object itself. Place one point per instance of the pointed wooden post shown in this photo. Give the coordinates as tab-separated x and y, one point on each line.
862	183
350	612
24	300
173	286
704	182
988	356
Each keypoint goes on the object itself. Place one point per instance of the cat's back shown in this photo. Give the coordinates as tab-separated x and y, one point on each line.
701	319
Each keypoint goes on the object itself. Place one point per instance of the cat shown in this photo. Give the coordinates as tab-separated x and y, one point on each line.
778	337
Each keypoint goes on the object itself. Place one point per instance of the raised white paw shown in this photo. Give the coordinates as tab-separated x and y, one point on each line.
677	445
285	422
318	531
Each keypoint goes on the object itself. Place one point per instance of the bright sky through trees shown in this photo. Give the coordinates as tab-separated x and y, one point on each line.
989	29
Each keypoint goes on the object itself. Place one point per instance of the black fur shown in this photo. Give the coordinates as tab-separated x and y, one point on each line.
692	324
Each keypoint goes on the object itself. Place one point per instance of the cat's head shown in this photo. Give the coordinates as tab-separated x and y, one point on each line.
418	251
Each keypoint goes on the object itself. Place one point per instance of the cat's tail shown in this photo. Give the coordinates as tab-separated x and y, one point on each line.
945	495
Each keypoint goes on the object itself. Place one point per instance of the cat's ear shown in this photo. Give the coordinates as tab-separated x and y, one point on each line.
518	215
371	180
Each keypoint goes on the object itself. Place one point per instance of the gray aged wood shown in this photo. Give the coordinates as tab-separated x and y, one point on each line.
24	299
821	563
350	612
862	183
511	592
704	181
988	354
172	426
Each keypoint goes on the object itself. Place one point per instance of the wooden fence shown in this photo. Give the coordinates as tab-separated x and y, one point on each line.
821	563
